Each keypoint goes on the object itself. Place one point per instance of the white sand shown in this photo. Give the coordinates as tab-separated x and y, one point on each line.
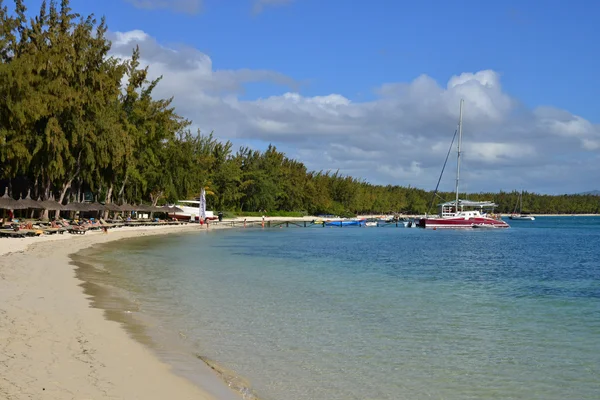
53	345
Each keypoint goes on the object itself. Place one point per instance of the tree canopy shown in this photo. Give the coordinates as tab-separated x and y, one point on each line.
75	119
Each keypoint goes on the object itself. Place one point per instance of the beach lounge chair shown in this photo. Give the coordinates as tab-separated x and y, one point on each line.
11	233
106	225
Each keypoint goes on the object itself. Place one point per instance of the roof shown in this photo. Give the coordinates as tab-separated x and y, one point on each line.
470	203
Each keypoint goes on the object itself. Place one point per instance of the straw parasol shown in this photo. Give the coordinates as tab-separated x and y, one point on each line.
145	208
95	206
168	209
126	207
112	207
76	207
8	203
50	204
27	202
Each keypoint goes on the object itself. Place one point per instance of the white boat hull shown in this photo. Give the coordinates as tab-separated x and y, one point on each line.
522	218
189	211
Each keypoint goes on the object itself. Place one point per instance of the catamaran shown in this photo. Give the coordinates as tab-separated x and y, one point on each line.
520	216
463	213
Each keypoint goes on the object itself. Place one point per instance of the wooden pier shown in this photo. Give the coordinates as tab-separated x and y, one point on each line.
300	224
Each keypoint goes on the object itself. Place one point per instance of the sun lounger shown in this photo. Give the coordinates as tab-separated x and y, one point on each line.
51	231
77	229
30	232
12	233
106	225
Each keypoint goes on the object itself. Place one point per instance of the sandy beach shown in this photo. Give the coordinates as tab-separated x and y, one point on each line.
53	345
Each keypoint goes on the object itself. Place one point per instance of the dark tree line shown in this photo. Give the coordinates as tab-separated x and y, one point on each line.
74	120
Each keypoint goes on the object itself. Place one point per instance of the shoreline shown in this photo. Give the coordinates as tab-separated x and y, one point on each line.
54	344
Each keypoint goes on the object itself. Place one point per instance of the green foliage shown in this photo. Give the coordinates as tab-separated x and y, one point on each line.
74	119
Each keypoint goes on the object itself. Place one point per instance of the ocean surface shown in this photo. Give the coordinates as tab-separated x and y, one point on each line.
373	313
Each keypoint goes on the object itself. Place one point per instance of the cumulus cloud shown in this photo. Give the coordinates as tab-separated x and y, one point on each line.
401	137
185	6
260	5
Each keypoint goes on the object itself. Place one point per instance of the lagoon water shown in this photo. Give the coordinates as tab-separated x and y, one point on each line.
376	313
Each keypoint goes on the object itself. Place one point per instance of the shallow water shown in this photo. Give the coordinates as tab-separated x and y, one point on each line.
375	313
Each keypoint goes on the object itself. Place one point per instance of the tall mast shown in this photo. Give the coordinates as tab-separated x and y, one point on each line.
521	201
458	157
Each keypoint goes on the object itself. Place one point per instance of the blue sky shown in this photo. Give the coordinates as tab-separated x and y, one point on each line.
540	57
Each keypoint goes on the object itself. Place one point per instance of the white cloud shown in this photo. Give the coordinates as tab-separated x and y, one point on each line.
185	6
401	137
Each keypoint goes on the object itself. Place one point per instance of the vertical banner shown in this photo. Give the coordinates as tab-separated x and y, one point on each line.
202	204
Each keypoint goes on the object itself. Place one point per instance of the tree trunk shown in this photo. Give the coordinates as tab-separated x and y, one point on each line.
68	184
64	189
155	199
108	200
45	196
122	190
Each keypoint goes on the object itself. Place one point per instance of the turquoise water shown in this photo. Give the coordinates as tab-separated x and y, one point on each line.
381	313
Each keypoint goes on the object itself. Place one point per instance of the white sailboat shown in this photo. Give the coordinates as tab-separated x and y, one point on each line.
520	216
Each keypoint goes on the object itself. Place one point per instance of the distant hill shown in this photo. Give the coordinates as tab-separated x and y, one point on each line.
593	192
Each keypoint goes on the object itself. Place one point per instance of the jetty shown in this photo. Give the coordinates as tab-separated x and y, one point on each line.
304	223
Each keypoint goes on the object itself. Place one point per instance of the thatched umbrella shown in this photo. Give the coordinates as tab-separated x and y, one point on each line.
112	207
8	203
50	204
145	208
169	209
95	206
127	207
76	207
27	202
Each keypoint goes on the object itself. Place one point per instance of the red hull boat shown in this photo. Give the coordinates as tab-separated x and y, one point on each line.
463	219
462	214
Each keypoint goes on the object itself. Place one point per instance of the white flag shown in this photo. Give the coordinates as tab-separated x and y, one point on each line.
202	204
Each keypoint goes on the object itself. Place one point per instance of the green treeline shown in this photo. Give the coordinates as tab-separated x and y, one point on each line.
74	120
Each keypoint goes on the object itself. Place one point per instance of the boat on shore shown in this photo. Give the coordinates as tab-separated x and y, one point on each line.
190	211
517	214
459	214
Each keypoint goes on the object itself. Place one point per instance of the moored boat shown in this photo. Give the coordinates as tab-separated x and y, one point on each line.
520	216
190	210
351	222
458	214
